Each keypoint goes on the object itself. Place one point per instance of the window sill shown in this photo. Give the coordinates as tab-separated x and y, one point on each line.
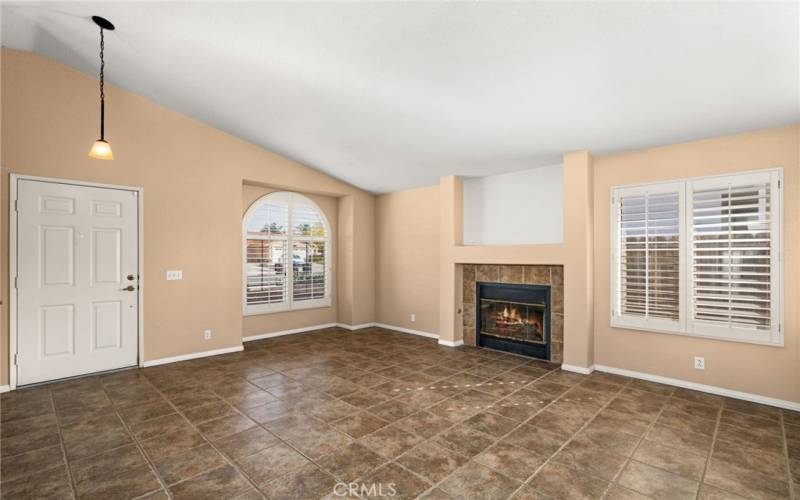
280	308
622	325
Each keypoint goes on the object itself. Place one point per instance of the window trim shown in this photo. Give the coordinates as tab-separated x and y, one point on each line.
684	326
290	304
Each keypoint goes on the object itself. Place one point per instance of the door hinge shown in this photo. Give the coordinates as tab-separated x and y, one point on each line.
16	282
779	183
16	205
16	359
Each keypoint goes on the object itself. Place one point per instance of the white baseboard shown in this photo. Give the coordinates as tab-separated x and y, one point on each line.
288	332
451	343
577	369
355	327
719	391
408	330
4	388
194	355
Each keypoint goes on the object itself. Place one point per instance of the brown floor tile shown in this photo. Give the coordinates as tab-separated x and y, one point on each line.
617	492
657	483
140	413
155	426
268	411
223	482
391	441
732	477
629	423
749	438
392	478
246	443
14	410
671	459
27	425
307	482
316	444
559	481
431	461
351	462
29	441
765	462
189	463
474	477
512	461
698	397
30	462
754	409
693	408
685	421
51	483
492	424
365	398
272	462
755	422
359	424
708	492
688	441
424	423
94	436
225	426
464	440
587	457
211	411
171	443
609	438
536	439
117	474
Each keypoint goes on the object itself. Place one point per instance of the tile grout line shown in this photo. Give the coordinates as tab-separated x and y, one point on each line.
711	451
786	456
591	419
208	441
63	446
139	447
615	479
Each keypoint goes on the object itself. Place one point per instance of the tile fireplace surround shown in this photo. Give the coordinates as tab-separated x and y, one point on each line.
516	274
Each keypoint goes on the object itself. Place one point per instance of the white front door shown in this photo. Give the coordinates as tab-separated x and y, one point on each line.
77	279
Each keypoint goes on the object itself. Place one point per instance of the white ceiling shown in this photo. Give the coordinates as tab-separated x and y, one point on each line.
389	96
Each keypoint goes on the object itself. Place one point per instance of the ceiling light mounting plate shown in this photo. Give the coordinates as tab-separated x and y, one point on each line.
103	23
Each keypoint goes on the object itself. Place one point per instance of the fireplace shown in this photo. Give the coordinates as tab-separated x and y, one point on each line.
514	318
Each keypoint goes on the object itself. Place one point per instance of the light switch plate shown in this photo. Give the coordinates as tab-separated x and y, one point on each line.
174	275
699	363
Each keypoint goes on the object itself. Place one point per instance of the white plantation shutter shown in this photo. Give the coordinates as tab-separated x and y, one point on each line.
309	253
286	254
701	257
735	239
648	255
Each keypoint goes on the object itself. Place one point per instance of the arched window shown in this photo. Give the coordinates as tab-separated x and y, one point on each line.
287	254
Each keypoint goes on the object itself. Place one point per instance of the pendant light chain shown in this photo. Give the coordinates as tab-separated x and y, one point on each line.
102	84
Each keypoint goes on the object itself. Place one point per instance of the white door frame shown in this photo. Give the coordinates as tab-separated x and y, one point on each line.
12	260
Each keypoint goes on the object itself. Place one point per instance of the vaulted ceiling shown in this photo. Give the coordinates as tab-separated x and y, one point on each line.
389	96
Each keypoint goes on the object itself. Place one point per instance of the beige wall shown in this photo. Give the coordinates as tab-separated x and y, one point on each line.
192	177
289	320
407	262
768	371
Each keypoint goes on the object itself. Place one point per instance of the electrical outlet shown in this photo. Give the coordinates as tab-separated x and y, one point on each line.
413	317
206	334
699	363
174	275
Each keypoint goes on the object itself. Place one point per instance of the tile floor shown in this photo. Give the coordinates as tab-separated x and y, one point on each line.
294	416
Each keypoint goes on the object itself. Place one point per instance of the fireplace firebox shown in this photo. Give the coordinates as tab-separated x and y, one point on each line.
514	318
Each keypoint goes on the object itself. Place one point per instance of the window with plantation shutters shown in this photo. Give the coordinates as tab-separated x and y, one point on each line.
286	254
734	249
700	257
648	227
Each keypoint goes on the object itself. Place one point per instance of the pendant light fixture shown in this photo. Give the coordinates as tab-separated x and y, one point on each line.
101	149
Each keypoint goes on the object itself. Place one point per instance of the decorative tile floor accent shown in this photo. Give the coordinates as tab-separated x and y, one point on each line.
335	413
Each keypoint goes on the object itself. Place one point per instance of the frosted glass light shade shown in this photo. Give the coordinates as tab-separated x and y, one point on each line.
101	150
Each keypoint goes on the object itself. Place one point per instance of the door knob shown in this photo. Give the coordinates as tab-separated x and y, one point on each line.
131	277
129	288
